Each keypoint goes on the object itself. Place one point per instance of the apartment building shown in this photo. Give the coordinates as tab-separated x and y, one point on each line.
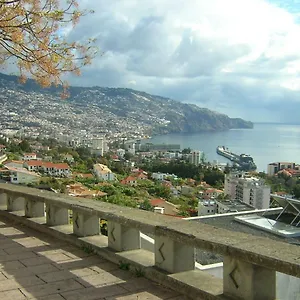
49	168
22	176
275	167
103	172
247	189
195	157
29	156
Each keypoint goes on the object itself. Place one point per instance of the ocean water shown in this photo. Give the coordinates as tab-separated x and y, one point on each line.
266	143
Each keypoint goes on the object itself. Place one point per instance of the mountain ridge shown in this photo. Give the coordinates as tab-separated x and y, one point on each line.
158	114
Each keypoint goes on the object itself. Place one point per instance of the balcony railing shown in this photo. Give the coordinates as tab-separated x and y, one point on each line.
249	262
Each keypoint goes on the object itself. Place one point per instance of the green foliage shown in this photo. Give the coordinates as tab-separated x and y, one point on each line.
25	146
186	150
212	176
87	249
83	153
296	191
146	205
139	272
124	266
118	167
128	156
160	190
12	156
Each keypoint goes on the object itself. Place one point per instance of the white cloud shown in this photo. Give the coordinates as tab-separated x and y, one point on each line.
235	56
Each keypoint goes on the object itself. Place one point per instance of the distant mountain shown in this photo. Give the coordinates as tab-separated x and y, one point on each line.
161	114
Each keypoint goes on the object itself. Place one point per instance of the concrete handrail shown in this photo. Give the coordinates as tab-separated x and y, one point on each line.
250	263
265	252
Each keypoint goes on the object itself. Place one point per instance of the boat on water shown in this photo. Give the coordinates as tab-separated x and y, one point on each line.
243	161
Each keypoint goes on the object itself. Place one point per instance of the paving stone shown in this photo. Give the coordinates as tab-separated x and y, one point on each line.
94	293
9	231
17	256
48	289
103	278
79	262
30	242
56	276
105	267
2	252
2	277
34	270
136	296
7	244
15	249
83	272
55	257
38	267
11	265
10	284
51	297
35	261
12	294
136	284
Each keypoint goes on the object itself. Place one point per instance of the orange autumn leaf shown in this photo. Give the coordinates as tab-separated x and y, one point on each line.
31	35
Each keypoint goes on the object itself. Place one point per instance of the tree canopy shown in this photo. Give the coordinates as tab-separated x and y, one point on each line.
32	37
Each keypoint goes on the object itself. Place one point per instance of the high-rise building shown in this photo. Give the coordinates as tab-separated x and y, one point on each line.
99	146
195	157
248	189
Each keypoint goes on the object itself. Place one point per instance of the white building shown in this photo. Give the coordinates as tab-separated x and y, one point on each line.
99	146
207	207
248	189
3	157
14	164
49	168
103	172
121	153
29	156
130	147
195	157
275	167
162	176
22	176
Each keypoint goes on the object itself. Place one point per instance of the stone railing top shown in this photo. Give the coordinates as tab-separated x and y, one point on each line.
276	255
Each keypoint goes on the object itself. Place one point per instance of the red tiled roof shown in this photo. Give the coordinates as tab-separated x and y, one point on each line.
46	164
35	163
156	202
128	179
61	166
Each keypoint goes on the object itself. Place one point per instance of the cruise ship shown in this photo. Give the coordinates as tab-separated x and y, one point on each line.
243	161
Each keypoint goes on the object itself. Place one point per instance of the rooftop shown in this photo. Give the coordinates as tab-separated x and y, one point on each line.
229	222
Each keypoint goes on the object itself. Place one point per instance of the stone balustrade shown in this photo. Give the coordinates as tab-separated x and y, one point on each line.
249	262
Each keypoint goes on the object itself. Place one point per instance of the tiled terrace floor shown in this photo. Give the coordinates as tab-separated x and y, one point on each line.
36	266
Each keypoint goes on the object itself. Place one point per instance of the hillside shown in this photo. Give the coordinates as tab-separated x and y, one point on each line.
116	109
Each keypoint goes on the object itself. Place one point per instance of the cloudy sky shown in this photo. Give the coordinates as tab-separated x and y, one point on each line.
239	57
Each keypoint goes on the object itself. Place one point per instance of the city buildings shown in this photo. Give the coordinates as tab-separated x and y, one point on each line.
195	157
98	146
248	189
48	168
102	172
22	176
275	167
29	156
212	207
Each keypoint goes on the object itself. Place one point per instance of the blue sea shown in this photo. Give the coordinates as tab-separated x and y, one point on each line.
265	143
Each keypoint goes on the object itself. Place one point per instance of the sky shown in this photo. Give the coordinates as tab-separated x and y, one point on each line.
238	57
